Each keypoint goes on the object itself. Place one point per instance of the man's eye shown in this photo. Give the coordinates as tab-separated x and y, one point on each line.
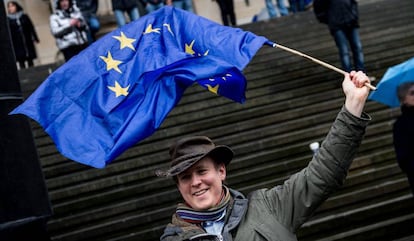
185	177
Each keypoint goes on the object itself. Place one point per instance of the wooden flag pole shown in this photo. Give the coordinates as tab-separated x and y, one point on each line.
318	62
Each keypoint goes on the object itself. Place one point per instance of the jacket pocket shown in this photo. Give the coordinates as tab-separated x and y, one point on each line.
268	232
263	234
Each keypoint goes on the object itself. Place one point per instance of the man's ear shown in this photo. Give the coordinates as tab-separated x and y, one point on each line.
222	171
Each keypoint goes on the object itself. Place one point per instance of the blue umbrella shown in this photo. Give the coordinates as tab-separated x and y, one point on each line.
386	92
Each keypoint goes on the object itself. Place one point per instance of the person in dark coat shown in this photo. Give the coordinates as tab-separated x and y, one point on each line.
342	19
23	35
403	131
212	211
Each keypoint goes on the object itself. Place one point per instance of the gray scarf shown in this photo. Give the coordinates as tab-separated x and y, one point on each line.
16	16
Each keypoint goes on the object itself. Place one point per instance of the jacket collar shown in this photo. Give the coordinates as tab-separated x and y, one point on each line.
237	211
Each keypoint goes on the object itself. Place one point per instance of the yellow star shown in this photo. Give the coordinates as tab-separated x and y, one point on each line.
125	41
118	90
213	89
149	29
168	26
189	48
111	63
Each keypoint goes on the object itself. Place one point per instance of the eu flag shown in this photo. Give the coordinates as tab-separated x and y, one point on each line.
119	90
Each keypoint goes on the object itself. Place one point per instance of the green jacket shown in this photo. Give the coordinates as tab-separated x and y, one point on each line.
276	214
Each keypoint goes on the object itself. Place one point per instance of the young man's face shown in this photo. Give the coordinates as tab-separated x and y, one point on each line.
201	185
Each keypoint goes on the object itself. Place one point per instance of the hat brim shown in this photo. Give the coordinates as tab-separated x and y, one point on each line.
220	154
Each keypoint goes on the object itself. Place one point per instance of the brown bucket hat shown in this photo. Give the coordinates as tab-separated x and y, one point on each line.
189	150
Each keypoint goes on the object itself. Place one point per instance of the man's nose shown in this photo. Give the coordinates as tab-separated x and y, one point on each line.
195	180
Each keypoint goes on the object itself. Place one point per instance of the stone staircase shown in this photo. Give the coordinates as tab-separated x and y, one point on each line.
291	102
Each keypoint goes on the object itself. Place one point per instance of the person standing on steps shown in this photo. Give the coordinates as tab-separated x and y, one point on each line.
69	28
23	35
342	18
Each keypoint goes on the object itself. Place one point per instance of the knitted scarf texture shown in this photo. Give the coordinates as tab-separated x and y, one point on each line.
190	215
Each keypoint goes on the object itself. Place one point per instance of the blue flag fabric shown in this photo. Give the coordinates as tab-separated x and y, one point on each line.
119	90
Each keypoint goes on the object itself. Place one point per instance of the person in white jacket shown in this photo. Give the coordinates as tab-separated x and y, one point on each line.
69	28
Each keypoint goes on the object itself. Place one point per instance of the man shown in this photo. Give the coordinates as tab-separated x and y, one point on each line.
212	211
342	19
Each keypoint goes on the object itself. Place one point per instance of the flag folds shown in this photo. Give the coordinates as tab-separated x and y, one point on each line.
119	90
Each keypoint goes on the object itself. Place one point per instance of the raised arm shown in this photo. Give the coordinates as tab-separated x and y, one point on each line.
297	199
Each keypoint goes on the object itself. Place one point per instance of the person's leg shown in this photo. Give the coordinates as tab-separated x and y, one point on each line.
133	14
22	64
179	4
300	5
94	26
160	5
120	17
67	53
270	8
153	7
230	11
30	62
282	7
89	32
223	12
150	8
342	44
293	6
356	47
188	5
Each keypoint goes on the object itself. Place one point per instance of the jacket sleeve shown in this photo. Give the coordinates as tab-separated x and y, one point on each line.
59	27
296	200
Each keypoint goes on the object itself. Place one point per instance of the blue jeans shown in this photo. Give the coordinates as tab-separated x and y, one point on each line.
282	10
297	5
152	7
350	36
184	4
133	14
94	26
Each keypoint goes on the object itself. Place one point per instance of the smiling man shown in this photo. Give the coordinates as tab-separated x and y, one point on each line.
212	211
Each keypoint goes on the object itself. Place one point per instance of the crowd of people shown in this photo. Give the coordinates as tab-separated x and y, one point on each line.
75	23
23	35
